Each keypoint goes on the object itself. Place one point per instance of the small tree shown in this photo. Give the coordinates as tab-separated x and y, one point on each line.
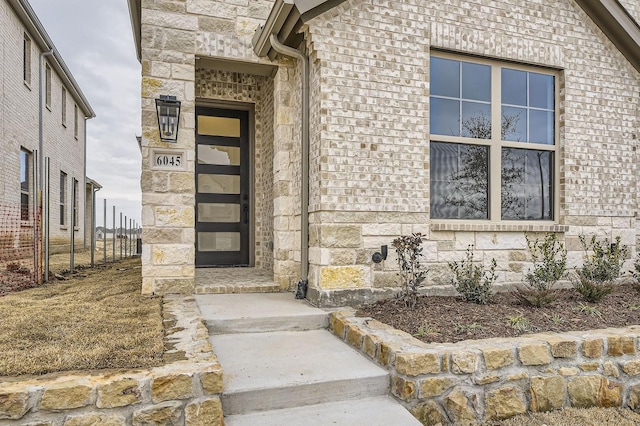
470	279
602	265
412	274
549	265
636	273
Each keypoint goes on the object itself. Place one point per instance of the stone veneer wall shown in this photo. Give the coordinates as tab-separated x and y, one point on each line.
186	390
370	133
492	379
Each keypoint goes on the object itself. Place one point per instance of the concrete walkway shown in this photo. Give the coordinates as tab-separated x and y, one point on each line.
282	367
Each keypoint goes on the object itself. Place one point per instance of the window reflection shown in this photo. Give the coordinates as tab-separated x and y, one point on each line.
526	184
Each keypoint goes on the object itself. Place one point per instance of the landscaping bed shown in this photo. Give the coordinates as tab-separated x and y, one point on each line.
451	319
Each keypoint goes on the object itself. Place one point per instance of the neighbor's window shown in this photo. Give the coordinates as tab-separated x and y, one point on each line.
26	59
64	107
75	203
75	121
493	140
25	183
47	82
63	198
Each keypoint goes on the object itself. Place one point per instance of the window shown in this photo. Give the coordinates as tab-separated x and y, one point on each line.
64	107
47	81
26	59
75	203
25	183
63	198
493	140
75	121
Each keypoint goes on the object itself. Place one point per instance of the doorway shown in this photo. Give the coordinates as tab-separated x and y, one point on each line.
223	199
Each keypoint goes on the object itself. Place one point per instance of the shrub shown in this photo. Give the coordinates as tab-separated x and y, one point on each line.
471	281
636	273
549	265
412	274
602	265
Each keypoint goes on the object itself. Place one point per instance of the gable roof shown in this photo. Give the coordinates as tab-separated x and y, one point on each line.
38	34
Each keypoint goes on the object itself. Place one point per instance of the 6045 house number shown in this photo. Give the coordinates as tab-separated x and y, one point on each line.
171	161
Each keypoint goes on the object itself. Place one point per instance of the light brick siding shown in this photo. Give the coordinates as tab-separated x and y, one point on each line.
633	7
370	139
19	116
369	156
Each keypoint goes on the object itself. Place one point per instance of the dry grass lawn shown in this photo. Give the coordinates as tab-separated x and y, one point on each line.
576	417
95	320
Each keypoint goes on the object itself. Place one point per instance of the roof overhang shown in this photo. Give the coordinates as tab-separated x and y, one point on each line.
135	13
36	31
285	19
617	24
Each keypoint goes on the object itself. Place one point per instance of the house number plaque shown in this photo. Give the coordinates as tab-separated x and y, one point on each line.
168	161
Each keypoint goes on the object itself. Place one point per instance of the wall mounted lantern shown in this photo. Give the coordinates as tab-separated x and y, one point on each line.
168	109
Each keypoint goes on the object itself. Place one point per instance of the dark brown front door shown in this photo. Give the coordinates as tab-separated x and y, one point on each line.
222	187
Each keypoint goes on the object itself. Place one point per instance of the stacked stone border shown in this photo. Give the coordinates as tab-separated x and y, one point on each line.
185	390
480	380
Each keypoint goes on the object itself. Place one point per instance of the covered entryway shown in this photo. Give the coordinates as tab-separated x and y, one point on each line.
223	199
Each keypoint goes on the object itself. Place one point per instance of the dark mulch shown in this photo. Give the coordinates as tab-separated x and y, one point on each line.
450	319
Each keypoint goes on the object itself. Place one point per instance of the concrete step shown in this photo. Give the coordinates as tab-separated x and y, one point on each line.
285	369
379	411
253	313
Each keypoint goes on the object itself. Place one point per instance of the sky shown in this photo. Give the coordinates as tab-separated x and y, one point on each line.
95	40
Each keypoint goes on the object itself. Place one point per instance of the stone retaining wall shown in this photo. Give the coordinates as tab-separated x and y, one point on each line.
479	380
186	390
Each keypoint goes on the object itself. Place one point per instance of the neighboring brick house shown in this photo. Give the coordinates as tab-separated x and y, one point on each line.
42	111
469	121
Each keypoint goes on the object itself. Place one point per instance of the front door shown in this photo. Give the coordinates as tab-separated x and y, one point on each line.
222	187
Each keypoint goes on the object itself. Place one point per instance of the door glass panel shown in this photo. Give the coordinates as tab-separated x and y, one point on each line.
219	155
218	212
218	241
218	184
218	126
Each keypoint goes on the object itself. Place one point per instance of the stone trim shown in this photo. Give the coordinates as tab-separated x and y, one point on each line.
497	227
186	389
481	380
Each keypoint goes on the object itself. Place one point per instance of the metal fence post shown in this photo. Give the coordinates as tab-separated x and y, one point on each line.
45	216
113	259
104	234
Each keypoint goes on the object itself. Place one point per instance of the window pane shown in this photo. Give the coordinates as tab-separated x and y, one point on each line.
445	117
218	126
476	82
514	87
459	181
527	184
24	206
514	124
24	171
211	212
219	155
476	120
218	241
219	184
445	77
541	91
541	127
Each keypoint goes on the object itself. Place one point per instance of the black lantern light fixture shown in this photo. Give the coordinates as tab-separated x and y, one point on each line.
168	109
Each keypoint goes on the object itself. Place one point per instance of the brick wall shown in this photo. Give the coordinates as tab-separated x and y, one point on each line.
19	116
370	152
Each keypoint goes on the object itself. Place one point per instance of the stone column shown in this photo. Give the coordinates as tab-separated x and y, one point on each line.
168	194
286	203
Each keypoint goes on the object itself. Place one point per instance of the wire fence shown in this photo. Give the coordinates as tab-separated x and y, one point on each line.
19	247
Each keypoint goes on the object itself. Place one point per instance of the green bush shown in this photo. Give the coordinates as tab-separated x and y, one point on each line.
602	265
549	265
412	274
470	279
636	273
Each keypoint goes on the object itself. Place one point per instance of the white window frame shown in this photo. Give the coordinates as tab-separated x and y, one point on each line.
63	199
26	169
47	81
75	121
64	106
495	144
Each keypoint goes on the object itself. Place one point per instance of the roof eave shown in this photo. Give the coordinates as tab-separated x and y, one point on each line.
135	13
285	19
619	27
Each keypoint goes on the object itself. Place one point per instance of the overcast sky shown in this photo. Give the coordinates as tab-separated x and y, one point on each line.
95	40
